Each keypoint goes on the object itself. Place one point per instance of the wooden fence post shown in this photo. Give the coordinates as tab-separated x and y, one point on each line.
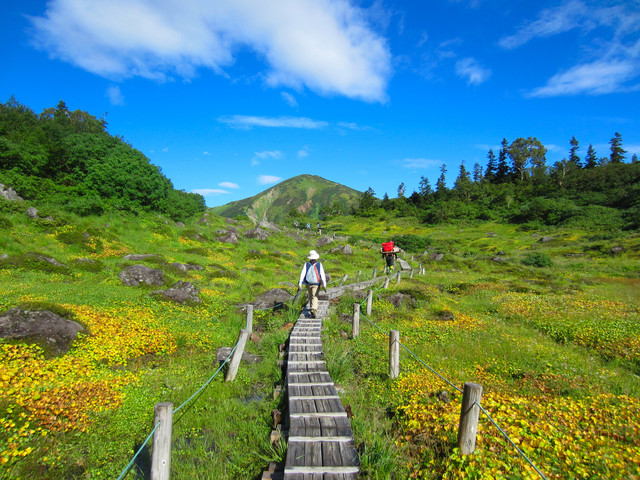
386	283
399	278
161	455
358	277
344	279
369	302
356	321
411	273
375	272
469	413
249	318
419	269
394	354
234	363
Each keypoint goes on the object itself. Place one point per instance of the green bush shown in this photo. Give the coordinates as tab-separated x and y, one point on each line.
538	260
412	243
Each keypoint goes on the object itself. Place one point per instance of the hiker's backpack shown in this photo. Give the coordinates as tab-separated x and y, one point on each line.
387	246
312	277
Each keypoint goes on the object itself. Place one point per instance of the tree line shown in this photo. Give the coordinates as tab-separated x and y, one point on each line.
67	158
518	186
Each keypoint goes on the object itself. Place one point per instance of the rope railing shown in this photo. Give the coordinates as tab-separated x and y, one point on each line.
432	370
196	394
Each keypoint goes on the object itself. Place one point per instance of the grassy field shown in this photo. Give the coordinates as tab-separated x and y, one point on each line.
549	329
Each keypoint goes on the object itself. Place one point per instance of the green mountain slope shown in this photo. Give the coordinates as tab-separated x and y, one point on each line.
304	195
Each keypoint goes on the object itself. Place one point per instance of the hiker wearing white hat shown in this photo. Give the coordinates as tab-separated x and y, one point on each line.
313	276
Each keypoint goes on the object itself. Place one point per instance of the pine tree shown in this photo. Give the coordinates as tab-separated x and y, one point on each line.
503	171
634	158
441	186
477	173
591	160
425	186
573	156
617	152
490	172
462	184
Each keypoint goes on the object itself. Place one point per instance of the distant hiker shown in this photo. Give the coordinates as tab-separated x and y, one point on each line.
312	275
390	255
319	229
308	226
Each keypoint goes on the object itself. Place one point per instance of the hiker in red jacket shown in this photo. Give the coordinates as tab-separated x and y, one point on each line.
313	276
390	255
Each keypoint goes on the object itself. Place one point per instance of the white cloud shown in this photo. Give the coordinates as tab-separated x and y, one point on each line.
353	126
207	192
228	185
327	46
472	71
165	149
417	163
594	79
289	99
247	121
551	21
114	94
206	153
611	60
268	179
303	152
258	156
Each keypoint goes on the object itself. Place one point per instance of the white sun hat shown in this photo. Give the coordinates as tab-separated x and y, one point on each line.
313	255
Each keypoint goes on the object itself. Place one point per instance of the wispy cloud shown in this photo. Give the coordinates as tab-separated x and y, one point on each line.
353	126
268	179
208	192
303	152
472	71
289	99
229	185
612	52
247	121
327	46
267	154
115	96
418	163
595	78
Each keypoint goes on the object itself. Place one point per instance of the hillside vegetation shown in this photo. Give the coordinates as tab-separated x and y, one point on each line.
68	159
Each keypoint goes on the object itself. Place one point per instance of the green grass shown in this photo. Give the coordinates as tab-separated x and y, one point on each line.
224	433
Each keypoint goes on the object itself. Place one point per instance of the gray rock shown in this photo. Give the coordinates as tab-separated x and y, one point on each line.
50	260
491	234
545	239
230	238
498	259
404	265
272	298
399	299
204	221
32	212
180	292
436	257
446	316
617	249
257	233
137	274
322	241
180	224
193	266
269	225
9	193
136	258
231	220
3	256
179	266
57	332
443	396
224	352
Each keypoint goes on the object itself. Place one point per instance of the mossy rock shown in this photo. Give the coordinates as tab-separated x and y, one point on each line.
35	262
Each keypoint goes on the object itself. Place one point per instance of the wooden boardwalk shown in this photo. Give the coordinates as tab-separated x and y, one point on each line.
321	443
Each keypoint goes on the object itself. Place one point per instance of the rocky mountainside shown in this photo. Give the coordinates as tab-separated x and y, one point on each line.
303	196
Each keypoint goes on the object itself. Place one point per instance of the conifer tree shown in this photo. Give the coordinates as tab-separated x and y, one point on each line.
441	186
490	172
462	184
573	156
425	186
617	152
503	171
591	160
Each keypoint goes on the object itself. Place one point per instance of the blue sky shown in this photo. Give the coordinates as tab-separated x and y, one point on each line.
229	97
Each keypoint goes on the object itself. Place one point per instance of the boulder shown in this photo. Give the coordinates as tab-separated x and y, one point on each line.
137	274
193	266
272	298
44	326
322	241
50	260
443	396
230	238
179	266
180	224
498	259
136	258
180	292
617	249
269	225
400	299
436	257
223	353
256	233
9	193
545	239
32	212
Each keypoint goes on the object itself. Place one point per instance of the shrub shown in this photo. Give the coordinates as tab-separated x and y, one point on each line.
538	260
